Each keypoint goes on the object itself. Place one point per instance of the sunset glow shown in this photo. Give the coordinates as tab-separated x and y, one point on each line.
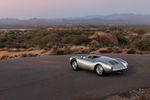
70	8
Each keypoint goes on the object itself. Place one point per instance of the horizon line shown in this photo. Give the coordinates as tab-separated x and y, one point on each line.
102	15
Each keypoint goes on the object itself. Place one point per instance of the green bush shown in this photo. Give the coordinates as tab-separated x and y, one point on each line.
60	52
29	55
143	44
5	57
40	37
122	40
131	51
93	45
140	31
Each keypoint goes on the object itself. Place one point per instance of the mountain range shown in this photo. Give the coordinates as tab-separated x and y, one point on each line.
109	19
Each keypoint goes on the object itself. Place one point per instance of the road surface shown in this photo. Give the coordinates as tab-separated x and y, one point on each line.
51	78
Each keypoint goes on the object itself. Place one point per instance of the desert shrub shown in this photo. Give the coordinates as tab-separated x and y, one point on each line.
93	45
140	31
24	55
2	45
80	40
41	40
40	37
32	55
116	50
131	51
122	40
66	40
105	50
29	55
4	57
60	52
46	39
143	44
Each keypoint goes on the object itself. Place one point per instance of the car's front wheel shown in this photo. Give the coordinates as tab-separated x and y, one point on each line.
99	70
74	65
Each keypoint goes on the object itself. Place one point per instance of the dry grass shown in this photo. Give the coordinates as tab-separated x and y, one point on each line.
14	54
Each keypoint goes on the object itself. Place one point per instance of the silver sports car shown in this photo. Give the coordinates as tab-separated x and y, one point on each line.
99	64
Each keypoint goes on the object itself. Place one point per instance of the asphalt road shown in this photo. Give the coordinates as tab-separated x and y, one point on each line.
51	78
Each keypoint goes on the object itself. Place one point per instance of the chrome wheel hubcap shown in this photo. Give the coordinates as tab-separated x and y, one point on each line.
99	70
74	65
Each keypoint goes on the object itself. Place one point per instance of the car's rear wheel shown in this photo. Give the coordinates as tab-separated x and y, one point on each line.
99	70
74	65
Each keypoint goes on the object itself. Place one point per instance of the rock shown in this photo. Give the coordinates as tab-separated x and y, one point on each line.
104	38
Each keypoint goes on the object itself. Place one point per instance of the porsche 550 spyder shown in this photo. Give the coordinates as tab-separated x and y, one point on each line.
99	64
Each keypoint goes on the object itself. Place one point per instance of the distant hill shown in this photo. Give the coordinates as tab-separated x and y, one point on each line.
110	19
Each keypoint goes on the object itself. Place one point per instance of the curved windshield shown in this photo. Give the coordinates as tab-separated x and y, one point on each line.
93	57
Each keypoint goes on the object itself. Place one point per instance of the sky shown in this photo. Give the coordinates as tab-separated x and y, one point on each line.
70	8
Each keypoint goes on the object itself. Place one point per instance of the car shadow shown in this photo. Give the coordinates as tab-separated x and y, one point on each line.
114	74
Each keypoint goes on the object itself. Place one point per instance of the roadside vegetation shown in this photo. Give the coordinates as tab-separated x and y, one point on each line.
140	94
75	39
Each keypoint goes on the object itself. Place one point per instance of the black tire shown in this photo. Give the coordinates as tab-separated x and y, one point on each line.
99	70
74	65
